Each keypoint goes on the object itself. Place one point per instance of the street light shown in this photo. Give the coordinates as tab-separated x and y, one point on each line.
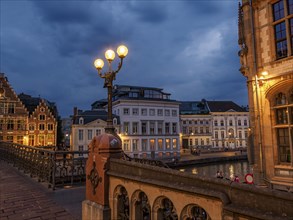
109	76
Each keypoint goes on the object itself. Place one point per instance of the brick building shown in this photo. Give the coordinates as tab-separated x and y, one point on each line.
25	119
266	49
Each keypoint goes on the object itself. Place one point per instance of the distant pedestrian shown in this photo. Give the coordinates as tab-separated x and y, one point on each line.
219	175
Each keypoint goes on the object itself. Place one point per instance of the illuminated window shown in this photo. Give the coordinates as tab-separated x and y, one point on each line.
174	143
283	122
167	143
152	145
126	145
160	144
31	140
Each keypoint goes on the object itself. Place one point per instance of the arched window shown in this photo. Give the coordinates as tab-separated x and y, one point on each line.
81	121
283	121
291	96
280	99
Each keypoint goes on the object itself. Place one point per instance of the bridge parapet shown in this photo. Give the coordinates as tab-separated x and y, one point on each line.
221	199
56	168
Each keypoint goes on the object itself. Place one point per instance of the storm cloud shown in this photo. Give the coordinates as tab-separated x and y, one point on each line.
188	48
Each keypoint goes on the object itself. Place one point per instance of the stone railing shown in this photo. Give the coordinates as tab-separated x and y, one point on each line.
238	200
56	168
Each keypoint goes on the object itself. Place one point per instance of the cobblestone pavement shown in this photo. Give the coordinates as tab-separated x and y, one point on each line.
23	198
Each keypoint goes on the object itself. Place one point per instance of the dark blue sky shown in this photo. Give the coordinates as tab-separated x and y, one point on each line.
188	48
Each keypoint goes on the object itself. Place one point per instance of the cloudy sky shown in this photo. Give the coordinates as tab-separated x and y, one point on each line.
187	47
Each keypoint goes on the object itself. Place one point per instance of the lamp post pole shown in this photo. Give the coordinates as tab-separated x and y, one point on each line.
109	76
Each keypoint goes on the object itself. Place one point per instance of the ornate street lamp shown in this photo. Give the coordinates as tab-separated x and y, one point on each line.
109	76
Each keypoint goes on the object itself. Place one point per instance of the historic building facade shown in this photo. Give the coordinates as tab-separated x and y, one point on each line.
221	124
13	114
196	124
229	125
266	49
86	125
149	121
25	119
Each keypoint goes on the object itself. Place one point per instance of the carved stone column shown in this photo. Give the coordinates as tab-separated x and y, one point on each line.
101	149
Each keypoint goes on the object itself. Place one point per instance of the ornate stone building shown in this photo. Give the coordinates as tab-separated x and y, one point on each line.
25	119
221	124
266	49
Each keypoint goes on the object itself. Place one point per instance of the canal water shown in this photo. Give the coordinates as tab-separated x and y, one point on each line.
240	168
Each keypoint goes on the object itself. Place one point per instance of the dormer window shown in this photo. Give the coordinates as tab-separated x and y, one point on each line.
81	121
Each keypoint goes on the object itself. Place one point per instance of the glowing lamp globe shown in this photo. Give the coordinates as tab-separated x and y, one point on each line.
122	51
110	55
99	63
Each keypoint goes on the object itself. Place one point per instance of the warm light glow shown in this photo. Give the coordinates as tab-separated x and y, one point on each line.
122	51
264	73
110	55
99	64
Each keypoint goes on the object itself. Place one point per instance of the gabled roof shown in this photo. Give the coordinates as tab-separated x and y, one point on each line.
31	103
224	106
92	115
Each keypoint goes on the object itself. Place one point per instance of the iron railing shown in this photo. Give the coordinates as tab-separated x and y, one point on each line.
56	168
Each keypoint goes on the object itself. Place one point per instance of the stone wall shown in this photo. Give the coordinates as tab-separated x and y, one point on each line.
221	198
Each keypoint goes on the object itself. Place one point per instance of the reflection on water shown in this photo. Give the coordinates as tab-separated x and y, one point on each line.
240	169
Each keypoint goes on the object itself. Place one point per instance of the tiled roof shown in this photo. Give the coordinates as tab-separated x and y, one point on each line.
224	106
92	115
31	103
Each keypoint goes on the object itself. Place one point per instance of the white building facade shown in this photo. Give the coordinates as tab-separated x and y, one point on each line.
218	124
149	122
86	125
230	124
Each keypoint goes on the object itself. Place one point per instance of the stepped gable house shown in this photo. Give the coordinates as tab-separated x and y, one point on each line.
25	119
